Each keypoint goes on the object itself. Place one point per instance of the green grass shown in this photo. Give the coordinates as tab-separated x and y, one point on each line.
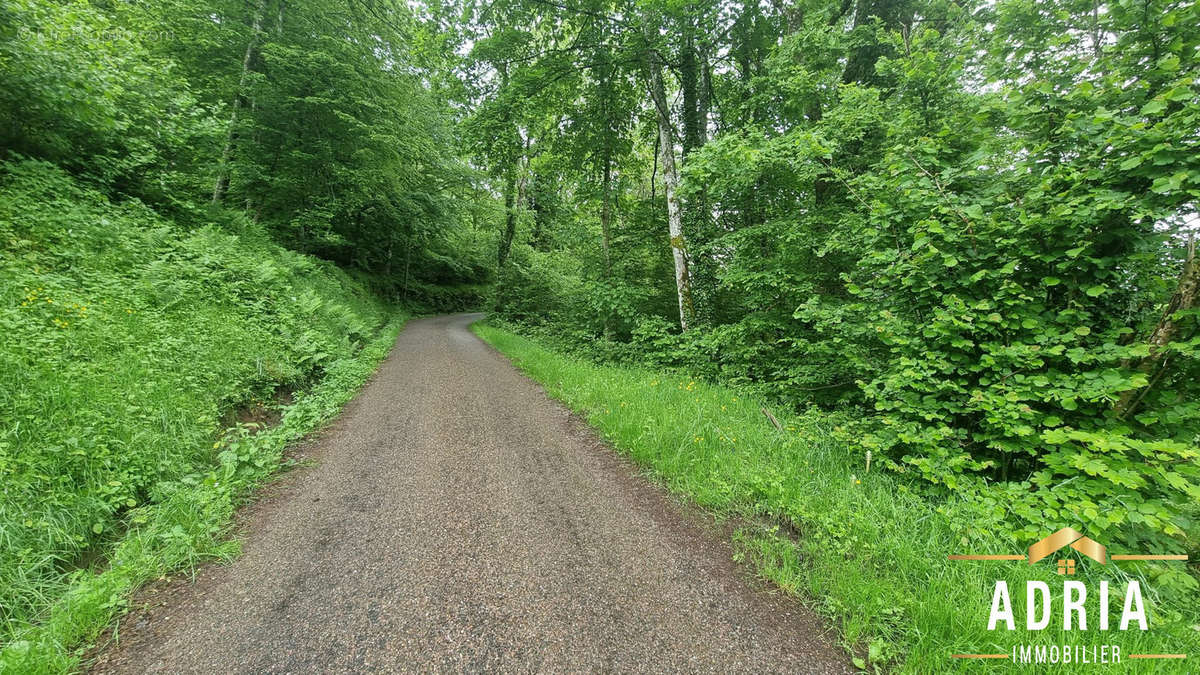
866	549
129	342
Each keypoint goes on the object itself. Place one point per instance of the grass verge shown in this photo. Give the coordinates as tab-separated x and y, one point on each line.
866	549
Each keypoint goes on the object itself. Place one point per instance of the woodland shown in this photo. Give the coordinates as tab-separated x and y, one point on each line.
955	236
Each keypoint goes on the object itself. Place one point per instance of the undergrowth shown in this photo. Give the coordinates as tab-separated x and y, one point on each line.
865	548
128	343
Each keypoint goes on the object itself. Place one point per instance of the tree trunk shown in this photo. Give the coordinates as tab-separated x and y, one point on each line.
222	182
538	206
510	217
683	280
861	61
705	102
407	259
689	84
606	174
606	215
523	181
693	78
252	206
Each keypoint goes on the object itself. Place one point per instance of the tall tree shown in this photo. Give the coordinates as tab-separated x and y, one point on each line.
666	144
239	101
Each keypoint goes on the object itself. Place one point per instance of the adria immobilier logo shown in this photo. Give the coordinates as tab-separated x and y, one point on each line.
1074	594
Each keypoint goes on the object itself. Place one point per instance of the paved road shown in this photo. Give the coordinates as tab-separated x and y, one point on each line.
457	519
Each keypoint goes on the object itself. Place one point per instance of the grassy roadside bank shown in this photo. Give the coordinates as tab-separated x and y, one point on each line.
863	548
190	526
138	354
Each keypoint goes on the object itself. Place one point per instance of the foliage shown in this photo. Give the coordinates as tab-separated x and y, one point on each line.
958	231
81	88
867	548
330	139
963	222
190	524
206	210
1017	300
129	344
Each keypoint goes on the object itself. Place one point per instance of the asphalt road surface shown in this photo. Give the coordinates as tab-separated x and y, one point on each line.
458	520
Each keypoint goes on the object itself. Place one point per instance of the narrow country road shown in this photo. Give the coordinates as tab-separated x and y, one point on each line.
457	519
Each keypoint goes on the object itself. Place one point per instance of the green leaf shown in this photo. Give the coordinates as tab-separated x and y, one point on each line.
1097	290
1083	330
1131	162
1153	107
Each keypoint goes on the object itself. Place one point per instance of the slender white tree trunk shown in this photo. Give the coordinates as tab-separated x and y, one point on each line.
683	278
222	182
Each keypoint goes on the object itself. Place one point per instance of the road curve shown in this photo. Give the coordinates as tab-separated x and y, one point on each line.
458	520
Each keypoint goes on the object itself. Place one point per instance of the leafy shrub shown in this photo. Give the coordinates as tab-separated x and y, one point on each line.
990	270
1022	303
1013	360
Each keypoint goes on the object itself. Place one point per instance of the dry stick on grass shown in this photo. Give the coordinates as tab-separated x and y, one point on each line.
771	417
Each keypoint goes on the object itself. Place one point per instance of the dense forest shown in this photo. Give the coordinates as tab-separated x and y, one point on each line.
959	234
972	223
314	122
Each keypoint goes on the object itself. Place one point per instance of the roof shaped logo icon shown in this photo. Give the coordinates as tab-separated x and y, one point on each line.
1064	538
